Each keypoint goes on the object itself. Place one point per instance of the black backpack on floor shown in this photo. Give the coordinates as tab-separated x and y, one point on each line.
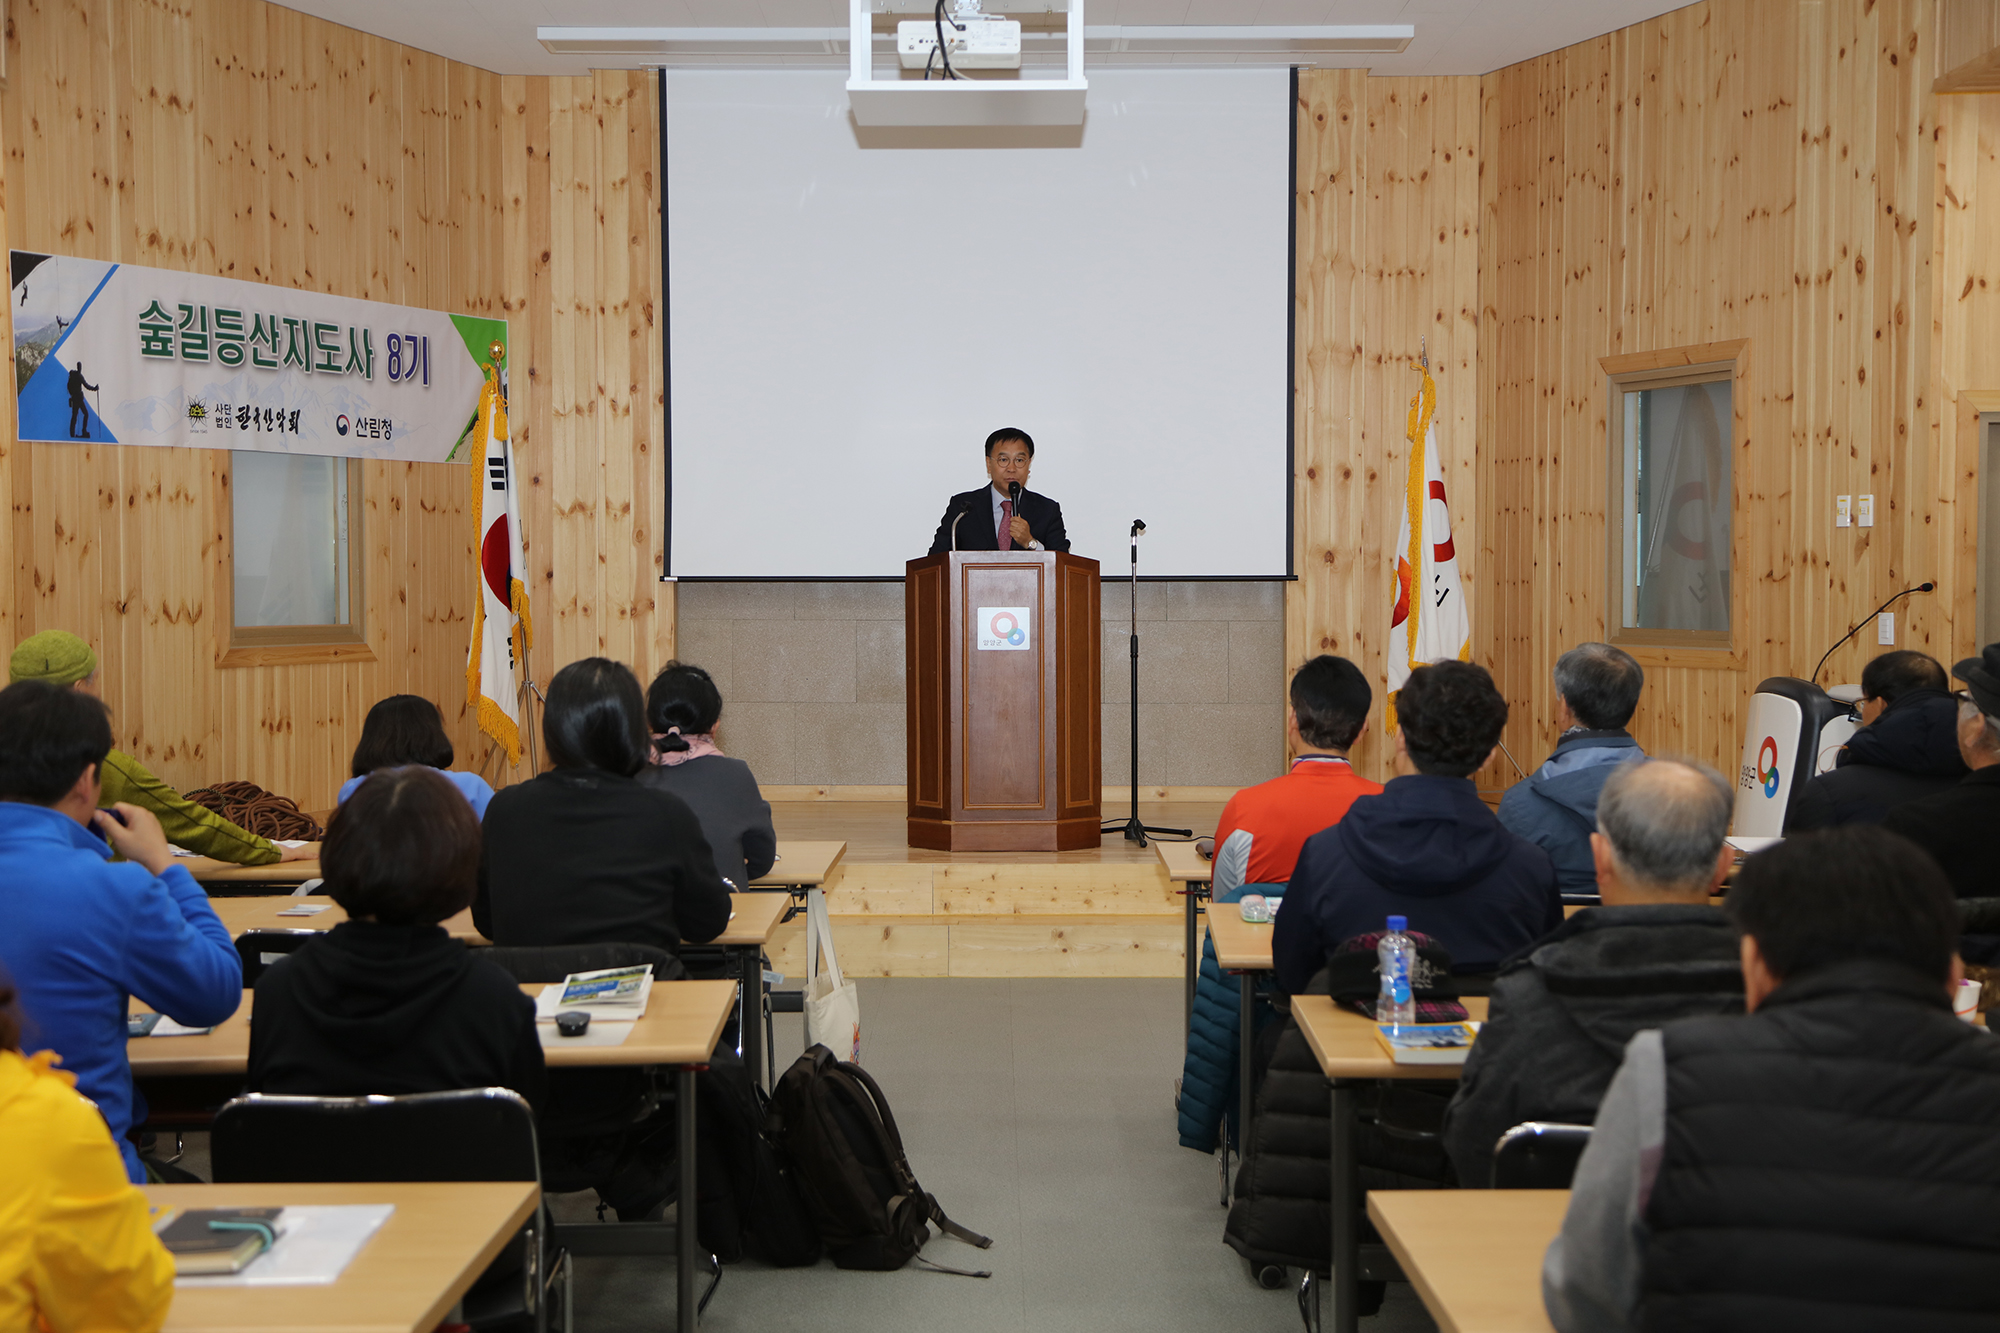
834	1125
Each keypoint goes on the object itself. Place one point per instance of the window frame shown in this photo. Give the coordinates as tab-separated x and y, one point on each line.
278	645
1700	363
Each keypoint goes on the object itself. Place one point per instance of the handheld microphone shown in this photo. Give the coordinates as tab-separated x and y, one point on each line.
1014	494
1921	587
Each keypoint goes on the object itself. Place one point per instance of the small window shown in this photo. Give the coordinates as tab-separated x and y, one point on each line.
294	580
1672	496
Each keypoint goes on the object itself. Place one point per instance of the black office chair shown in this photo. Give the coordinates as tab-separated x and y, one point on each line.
463	1135
260	948
1538	1155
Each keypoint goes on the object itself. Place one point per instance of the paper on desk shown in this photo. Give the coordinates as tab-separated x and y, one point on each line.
599	1033
166	1027
546	1006
303	909
291	842
316	1242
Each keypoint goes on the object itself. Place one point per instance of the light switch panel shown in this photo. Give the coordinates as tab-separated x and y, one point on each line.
1843	511
1885	629
1864	511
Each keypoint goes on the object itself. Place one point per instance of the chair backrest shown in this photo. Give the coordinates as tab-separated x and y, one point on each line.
466	1134
1538	1155
553	962
260	948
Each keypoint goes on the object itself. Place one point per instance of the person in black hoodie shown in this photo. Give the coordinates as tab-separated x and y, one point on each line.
386	1002
1907	747
1562	1011
584	854
1426	848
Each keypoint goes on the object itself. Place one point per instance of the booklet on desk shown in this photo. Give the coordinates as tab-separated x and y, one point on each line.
611	995
217	1240
1427	1043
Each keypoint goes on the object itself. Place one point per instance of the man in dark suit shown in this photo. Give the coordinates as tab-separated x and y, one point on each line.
986	519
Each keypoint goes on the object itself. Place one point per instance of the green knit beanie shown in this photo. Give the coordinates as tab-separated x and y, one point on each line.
54	655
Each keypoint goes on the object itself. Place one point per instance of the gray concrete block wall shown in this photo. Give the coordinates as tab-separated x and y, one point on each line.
812	679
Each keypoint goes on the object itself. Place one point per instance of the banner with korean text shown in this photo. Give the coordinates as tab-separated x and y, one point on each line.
118	354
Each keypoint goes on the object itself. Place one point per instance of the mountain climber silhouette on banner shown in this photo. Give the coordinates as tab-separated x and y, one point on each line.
77	407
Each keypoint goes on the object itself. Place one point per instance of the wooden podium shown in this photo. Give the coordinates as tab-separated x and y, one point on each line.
1005	690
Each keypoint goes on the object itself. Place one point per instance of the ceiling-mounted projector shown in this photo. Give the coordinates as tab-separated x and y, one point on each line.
971	41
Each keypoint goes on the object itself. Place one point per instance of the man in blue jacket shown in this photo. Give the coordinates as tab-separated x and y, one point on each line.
1597	691
80	935
1426	848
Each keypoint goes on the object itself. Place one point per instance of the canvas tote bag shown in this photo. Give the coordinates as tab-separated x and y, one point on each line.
833	1003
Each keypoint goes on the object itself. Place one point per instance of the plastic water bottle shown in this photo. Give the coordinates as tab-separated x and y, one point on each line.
1398	956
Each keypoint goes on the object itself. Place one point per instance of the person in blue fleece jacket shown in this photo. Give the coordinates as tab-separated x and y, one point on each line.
1426	848
81	935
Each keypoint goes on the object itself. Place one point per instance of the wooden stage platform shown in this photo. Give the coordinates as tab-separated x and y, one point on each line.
900	911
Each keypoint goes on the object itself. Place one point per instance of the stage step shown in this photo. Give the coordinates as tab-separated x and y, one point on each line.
1128	944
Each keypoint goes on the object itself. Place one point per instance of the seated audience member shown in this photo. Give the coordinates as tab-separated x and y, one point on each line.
1907	747
1956	825
1597	691
387	1002
1257	843
584	854
683	707
1426	848
1656	950
77	1249
1827	1161
62	659
409	729
80	935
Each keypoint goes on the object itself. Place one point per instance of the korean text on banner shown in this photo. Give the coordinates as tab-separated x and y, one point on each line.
502	630
1431	622
119	354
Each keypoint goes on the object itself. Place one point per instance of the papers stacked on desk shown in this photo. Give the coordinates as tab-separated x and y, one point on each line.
610	995
1427	1043
315	1243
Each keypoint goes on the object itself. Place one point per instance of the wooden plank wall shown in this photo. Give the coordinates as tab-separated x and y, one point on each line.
1388	260
1966	334
1724	171
244	139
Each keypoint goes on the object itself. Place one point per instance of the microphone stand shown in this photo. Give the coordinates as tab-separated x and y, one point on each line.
1921	587
1134	829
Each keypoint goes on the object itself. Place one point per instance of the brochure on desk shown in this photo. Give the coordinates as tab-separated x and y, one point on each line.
316	1243
609	995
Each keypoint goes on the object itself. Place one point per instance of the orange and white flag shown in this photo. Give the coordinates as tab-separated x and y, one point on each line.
501	629
1431	622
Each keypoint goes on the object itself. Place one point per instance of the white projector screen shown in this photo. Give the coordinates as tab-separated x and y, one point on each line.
851	312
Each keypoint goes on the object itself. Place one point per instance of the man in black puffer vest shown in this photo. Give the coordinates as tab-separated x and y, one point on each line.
1831	1161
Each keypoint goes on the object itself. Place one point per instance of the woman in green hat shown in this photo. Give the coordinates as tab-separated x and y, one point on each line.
60	658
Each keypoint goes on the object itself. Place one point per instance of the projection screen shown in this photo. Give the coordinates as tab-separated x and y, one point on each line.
851	312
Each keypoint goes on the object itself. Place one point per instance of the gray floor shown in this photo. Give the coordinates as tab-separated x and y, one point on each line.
1039	1112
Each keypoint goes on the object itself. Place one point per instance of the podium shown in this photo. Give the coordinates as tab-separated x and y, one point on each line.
1005	683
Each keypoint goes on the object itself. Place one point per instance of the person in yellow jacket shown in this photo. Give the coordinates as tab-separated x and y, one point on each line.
60	658
77	1249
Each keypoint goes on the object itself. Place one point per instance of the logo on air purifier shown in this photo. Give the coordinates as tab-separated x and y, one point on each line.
1767	766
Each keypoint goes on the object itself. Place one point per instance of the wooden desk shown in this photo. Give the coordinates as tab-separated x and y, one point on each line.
1344	1044
1194	873
1474	1256
805	864
753	916
239	915
207	870
684	1020
407	1277
1242	948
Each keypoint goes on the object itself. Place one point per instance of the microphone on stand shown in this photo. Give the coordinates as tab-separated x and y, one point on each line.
1921	587
957	517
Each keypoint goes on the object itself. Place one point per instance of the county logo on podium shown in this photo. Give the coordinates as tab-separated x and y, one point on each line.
1003	629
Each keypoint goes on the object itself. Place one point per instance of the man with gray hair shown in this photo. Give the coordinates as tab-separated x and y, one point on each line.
1956	825
1597	689
1657	950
